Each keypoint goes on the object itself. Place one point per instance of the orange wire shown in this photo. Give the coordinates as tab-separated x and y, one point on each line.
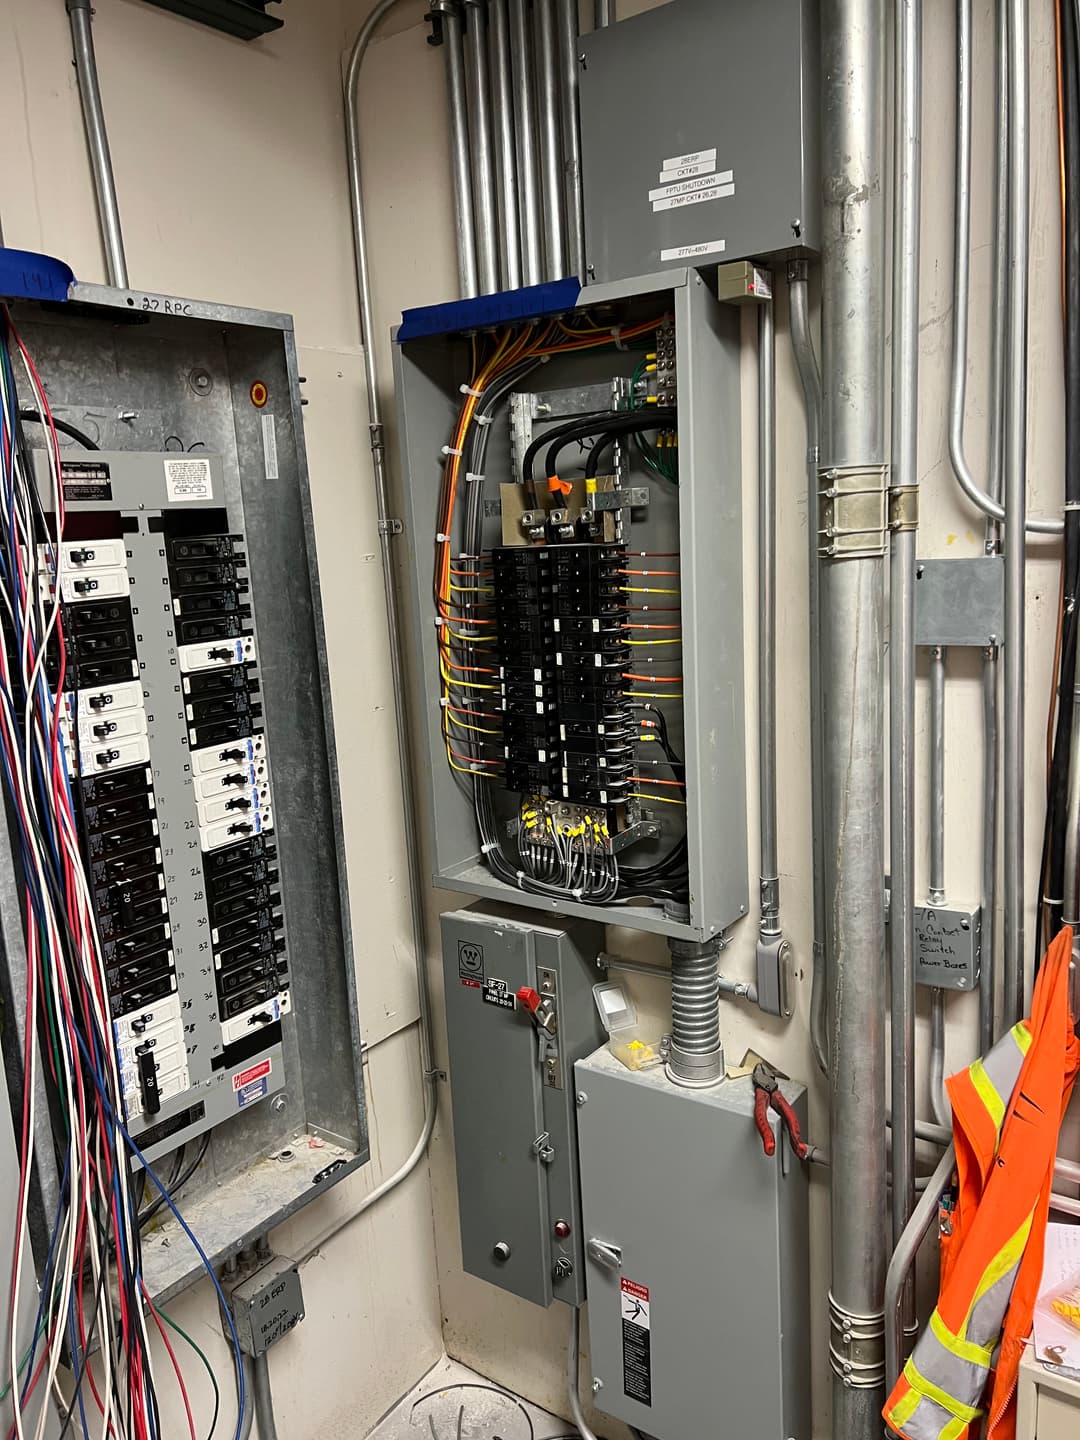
655	679
648	780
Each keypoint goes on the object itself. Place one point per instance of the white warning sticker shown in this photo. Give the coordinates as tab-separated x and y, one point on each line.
636	1305
269	439
189	478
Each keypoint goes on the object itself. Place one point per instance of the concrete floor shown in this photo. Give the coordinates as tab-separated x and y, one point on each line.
452	1402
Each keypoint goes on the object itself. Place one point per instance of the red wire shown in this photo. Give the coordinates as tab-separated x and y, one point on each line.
172	1356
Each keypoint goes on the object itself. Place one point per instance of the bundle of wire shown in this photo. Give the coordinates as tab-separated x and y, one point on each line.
581	864
89	1303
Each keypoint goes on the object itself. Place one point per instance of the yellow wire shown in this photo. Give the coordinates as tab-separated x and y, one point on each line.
653	695
480	729
654	642
663	799
645	590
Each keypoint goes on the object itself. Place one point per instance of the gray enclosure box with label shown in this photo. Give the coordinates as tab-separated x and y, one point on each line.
697	1257
512	1085
699	136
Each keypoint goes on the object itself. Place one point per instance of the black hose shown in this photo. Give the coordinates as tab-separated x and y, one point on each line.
34	416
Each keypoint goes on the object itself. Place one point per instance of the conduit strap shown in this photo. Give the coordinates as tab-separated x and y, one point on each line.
857	1346
851	511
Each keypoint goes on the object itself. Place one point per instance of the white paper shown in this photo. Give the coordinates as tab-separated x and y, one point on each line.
188	478
1057	1343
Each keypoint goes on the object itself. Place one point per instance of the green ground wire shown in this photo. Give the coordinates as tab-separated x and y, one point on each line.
206	1363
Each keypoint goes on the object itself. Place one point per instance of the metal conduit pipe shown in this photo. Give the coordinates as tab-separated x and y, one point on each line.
1070	910
80	13
264	1397
962	269
904	481
417	879
571	136
988	968
903	1259
603	14
806	362
553	199
573	1362
481	148
772	946
938	1102
460	163
521	64
852	485
502	119
1015	479
696	1057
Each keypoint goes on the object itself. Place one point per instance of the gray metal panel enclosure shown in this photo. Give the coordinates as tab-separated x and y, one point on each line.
509	1192
721	76
701	518
717	1235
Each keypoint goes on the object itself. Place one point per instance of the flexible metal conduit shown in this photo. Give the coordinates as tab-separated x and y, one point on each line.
806	362
481	151
962	256
502	114
1015	475
697	1056
907	171
80	13
853	264
417	879
772	946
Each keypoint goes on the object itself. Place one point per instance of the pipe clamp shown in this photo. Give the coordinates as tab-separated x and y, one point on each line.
857	1346
903	507
851	511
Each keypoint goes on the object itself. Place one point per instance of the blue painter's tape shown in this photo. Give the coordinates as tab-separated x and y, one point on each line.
532	302
25	275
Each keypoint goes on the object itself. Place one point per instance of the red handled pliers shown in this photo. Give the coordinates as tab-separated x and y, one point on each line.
767	1092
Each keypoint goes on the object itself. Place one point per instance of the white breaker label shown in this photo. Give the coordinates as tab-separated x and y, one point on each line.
188	479
694	197
687	187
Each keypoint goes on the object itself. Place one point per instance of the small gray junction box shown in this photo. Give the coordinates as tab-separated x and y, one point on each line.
699	136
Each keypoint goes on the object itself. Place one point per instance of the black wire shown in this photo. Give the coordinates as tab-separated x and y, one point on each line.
628	423
1054	837
34	416
177	1185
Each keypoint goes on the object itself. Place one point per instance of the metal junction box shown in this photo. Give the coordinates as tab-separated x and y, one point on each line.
512	1083
697	1258
699	135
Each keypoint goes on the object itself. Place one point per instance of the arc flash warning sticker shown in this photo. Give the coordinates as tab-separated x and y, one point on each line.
636	1305
252	1084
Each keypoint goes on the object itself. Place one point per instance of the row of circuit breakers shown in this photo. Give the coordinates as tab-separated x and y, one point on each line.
118	689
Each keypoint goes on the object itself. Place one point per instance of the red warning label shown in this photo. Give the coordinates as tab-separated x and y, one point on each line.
636	1308
256	1072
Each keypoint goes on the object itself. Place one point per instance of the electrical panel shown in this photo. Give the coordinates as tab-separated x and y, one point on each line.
573	489
699	136
693	1233
194	718
245	19
519	1013
163	729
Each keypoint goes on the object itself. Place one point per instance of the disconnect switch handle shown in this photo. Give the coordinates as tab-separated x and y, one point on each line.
529	999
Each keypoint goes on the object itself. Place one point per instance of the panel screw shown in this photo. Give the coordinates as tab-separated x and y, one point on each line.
581	1097
277	1105
597	1385
201	381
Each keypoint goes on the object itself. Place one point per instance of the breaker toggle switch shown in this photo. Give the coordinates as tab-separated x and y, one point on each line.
540	1008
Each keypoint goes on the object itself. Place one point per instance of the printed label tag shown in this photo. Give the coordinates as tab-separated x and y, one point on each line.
498	992
636	1307
695	197
269	439
188	479
691	252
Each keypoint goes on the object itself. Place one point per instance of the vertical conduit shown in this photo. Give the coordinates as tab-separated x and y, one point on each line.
481	151
453	47
810	379
571	136
697	1056
80	13
551	169
603	14
907	172
525	122
502	118
1015	476
853	503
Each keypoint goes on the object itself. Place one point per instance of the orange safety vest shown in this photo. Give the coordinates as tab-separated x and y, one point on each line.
1007	1113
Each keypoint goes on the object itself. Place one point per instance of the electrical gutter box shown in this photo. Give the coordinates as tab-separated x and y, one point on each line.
699	136
697	1248
512	1085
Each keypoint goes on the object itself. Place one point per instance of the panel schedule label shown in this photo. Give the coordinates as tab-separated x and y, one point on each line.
636	1306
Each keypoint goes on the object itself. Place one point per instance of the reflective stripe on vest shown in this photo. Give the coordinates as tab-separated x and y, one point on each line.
994	1076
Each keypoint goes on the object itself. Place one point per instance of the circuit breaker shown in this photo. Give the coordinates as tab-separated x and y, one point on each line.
519	1013
573	491
165	741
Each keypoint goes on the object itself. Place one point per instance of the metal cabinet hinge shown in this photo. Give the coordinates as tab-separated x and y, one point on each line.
851	511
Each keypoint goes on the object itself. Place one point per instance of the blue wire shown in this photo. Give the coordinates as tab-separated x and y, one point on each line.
76	1359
